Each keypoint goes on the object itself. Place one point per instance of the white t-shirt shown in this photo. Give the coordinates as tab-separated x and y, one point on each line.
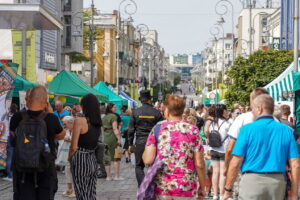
243	119
224	128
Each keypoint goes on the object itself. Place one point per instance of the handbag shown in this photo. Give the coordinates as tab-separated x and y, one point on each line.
63	154
119	151
146	191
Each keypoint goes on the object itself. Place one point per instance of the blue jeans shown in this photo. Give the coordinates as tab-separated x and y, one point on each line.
10	151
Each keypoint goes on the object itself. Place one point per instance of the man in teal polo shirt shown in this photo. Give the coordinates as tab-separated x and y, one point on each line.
262	150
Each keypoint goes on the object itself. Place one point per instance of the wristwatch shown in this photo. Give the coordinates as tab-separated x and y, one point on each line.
228	190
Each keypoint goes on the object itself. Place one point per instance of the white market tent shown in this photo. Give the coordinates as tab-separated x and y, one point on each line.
284	82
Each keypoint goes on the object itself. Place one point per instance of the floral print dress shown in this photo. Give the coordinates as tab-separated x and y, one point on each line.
177	143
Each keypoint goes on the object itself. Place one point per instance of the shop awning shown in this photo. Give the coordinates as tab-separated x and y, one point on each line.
27	17
284	82
68	83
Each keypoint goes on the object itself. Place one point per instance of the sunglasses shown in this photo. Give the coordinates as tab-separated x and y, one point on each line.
238	113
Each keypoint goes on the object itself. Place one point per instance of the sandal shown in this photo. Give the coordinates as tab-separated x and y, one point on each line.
67	193
72	195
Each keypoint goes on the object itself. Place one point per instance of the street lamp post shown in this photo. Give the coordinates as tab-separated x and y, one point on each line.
130	8
142	30
215	30
92	43
218	8
244	44
250	29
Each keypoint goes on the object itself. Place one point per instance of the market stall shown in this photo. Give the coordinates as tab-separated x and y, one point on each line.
112	97
70	85
132	103
22	84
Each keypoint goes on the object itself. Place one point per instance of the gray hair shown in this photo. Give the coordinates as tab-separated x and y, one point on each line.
277	112
68	119
266	102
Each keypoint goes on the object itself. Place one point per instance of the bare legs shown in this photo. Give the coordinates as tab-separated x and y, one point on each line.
218	180
108	172
117	165
117	169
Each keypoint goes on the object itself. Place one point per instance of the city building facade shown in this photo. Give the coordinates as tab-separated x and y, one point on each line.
250	30
271	31
47	51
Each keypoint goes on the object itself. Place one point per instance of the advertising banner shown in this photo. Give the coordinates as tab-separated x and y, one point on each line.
8	74
31	68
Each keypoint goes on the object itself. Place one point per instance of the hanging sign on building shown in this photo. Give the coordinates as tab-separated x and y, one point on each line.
276	43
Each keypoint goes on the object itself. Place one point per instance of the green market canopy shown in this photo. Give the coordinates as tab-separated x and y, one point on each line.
284	82
68	83
22	85
112	97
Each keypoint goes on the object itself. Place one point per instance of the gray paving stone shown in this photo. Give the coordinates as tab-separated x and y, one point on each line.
106	190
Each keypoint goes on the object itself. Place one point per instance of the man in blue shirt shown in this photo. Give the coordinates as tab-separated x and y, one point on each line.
262	150
60	112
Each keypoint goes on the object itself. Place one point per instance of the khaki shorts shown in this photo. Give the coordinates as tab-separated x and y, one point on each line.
262	187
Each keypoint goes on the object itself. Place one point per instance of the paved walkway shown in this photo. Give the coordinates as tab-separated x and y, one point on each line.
106	190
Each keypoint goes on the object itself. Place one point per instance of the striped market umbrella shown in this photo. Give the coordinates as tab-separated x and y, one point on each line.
284	82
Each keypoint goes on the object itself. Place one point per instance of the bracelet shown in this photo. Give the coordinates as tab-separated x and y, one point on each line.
228	190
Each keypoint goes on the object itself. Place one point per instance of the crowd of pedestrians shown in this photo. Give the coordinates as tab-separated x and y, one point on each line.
248	152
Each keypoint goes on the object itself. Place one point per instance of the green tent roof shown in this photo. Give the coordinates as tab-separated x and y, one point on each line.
68	83
22	85
112	97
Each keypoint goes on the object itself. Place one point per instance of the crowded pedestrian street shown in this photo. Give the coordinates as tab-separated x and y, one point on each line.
149	100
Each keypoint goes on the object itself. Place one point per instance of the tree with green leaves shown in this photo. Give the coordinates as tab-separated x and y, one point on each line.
80	57
258	70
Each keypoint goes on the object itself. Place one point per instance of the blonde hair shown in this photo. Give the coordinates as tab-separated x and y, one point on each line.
128	112
193	112
192	120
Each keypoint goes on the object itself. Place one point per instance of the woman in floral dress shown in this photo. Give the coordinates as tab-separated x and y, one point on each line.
179	146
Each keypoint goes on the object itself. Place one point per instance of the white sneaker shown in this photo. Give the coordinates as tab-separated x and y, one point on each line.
119	179
215	198
8	179
109	179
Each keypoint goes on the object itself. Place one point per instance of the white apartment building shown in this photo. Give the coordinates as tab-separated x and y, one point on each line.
251	38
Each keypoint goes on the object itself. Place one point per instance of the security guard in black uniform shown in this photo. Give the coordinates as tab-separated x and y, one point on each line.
141	124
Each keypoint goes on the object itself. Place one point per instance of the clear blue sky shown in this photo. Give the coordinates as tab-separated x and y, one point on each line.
183	25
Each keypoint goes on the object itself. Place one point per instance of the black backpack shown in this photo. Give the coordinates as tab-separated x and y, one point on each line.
214	138
32	152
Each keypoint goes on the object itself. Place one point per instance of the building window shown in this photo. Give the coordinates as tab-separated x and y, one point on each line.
67	5
227	46
68	30
227	56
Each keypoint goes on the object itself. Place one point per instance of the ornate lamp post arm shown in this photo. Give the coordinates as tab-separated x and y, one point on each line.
222	9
